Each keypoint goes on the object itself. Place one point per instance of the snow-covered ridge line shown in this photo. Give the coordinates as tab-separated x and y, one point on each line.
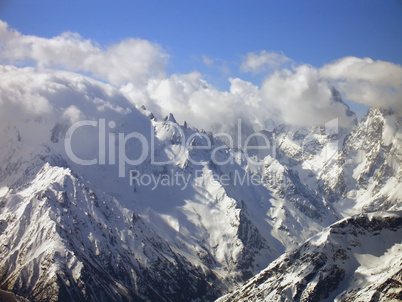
106	235
354	259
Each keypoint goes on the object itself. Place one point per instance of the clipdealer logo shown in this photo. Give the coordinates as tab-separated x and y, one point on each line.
113	148
115	144
182	180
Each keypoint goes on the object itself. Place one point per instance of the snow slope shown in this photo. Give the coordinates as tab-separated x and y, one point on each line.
355	259
366	175
192	220
62	239
63	221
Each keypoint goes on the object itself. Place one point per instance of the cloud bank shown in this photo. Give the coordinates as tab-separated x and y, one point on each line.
132	60
300	95
303	98
27	94
374	83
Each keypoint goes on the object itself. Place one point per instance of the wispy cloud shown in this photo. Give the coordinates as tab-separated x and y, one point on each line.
263	61
222	66
208	61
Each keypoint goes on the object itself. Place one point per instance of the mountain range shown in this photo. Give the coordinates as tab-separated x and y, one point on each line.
129	207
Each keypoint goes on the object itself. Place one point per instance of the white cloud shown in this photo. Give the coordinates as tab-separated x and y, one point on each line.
190	98
207	60
34	101
299	96
72	114
263	61
303	98
132	60
374	83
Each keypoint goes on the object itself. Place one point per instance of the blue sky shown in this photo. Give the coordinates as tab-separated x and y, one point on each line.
311	32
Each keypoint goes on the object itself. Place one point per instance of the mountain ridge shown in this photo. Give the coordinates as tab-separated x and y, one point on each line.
327	267
231	214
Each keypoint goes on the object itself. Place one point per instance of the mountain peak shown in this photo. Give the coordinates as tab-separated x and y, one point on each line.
329	266
170	118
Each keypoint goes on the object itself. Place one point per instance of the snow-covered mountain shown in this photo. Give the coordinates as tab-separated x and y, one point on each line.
218	233
82	219
366	175
62	239
355	259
